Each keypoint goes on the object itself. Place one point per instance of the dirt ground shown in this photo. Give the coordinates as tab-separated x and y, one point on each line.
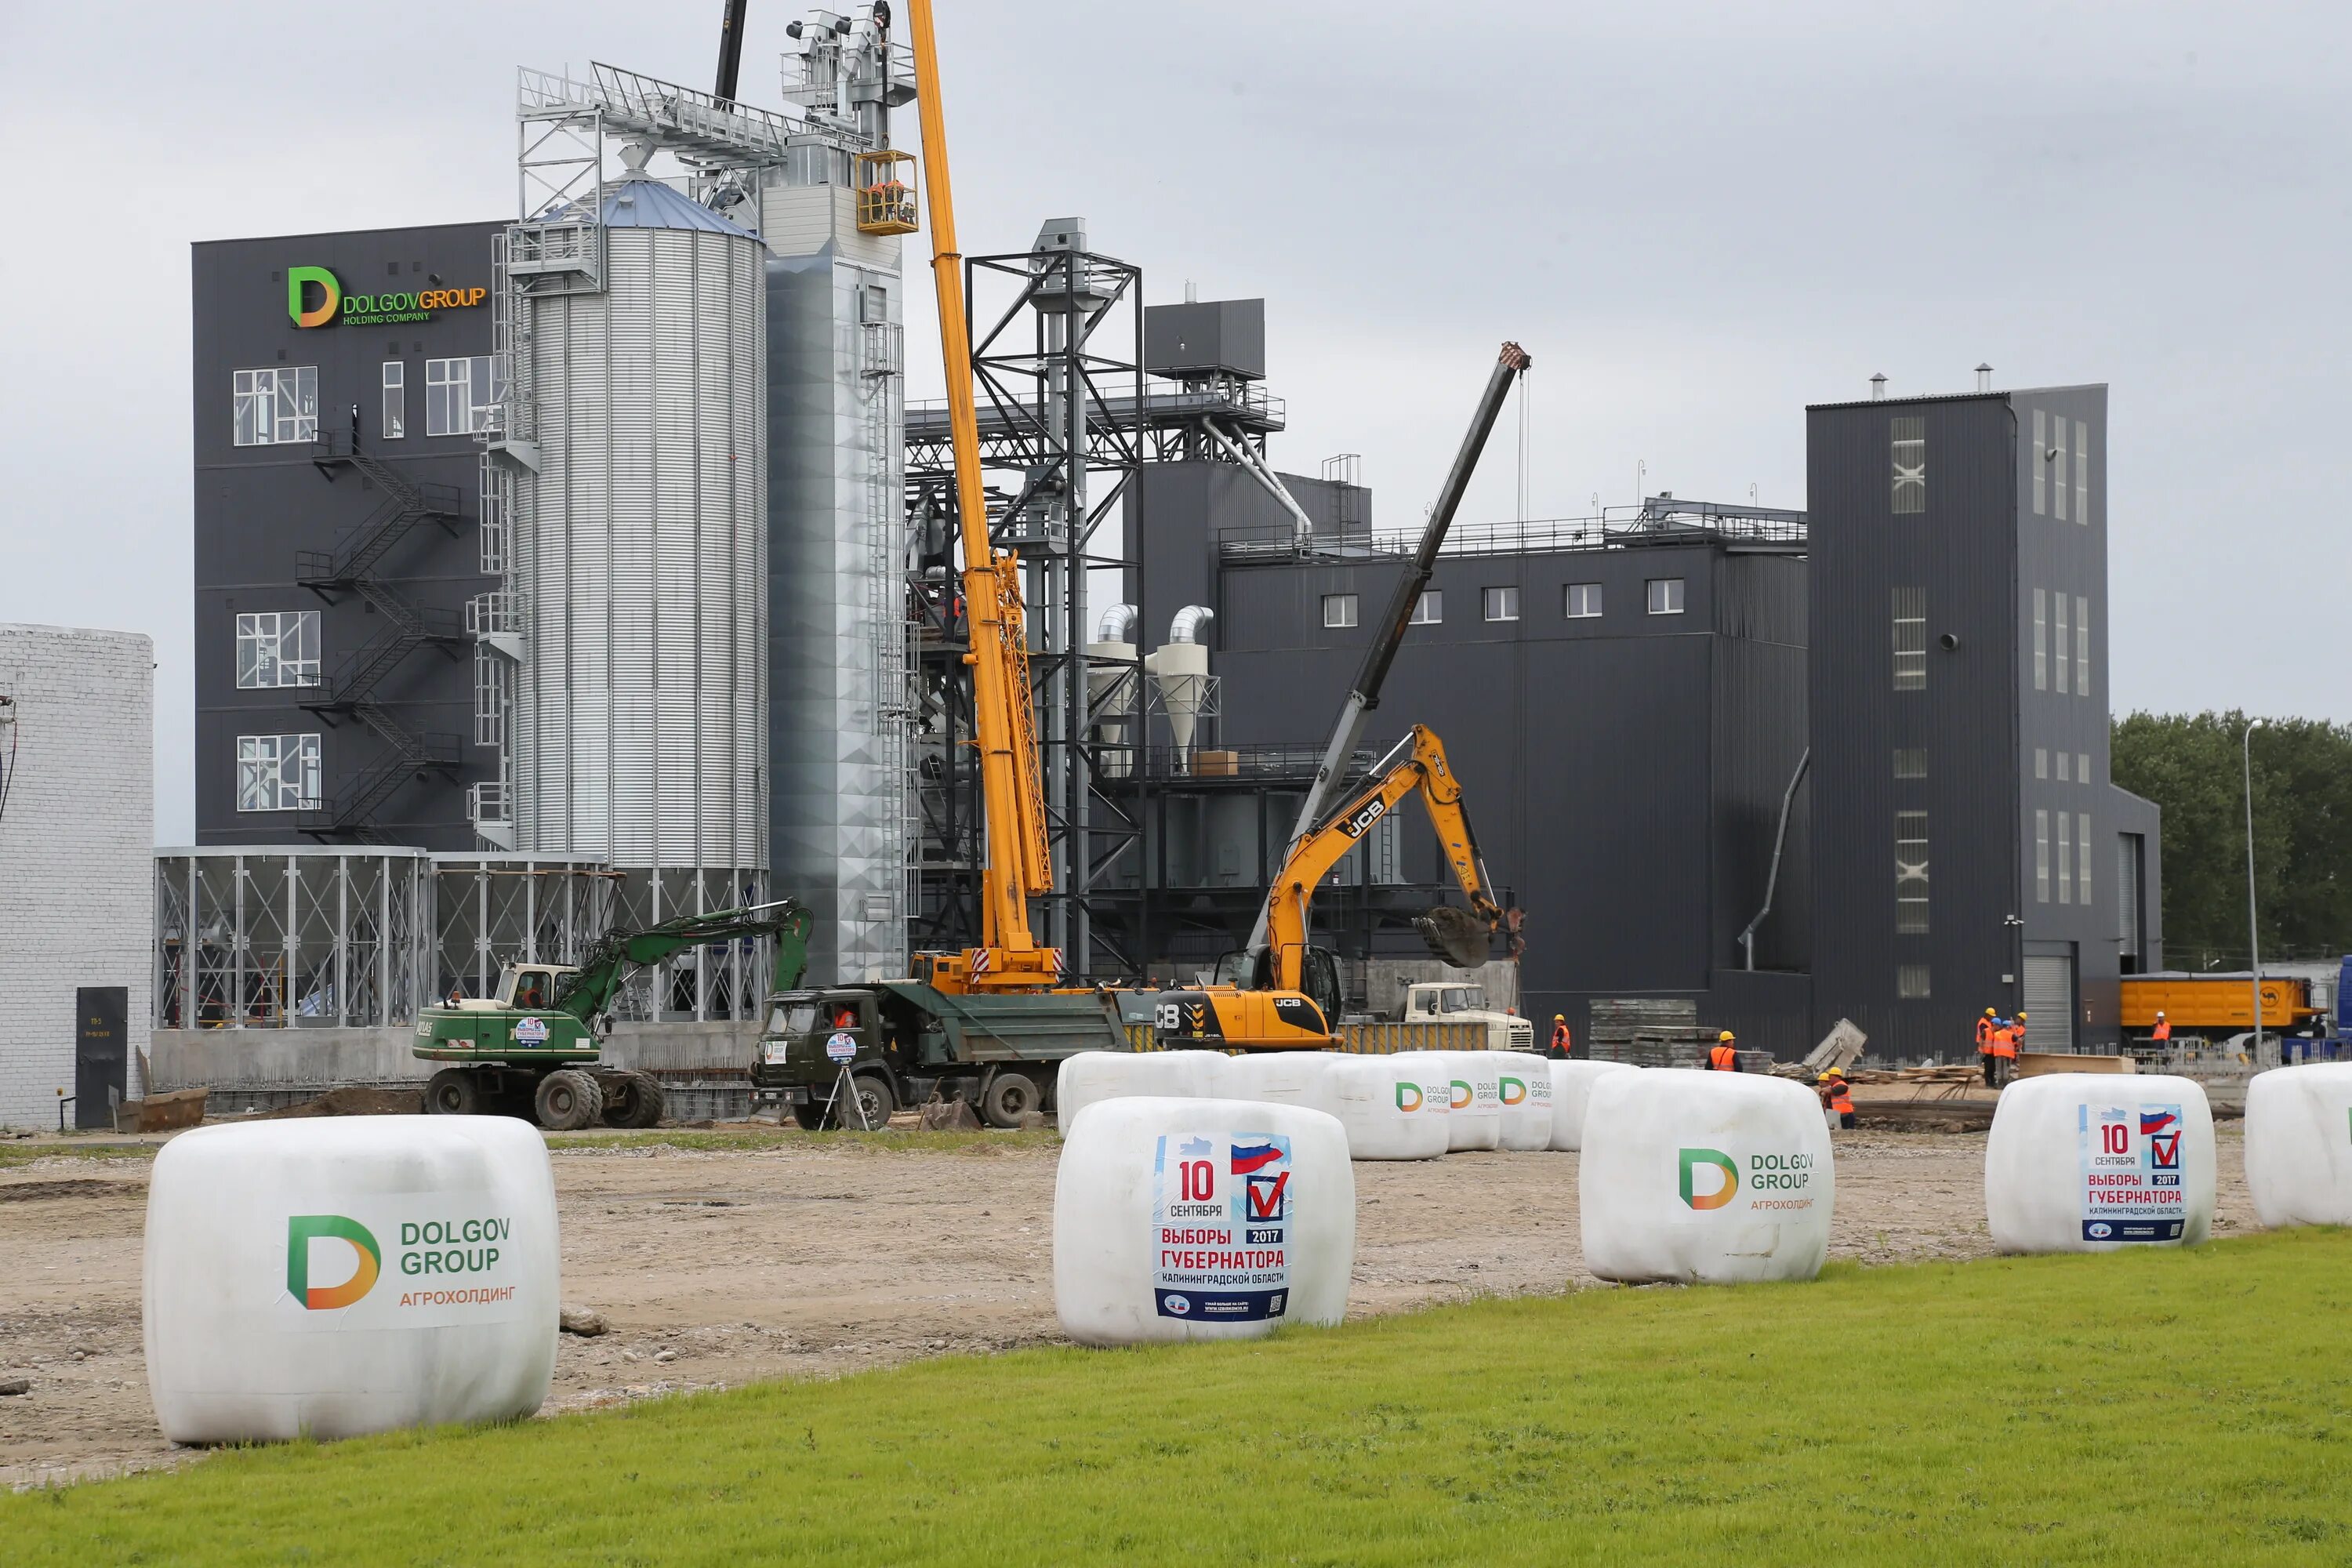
722	1267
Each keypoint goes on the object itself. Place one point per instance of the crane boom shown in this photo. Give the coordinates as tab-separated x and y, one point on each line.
1364	693
1013	796
731	50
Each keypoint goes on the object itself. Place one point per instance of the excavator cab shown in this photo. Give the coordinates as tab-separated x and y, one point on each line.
1252	969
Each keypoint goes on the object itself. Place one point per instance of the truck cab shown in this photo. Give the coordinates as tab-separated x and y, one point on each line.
811	1036
1454	1002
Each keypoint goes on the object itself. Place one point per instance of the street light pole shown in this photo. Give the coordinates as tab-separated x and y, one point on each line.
2254	929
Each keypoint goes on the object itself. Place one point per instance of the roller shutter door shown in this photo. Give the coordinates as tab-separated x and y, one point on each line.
2049	1004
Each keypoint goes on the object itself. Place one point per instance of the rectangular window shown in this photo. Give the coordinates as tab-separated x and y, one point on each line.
2082	649
2083	848
2040	857
1911	981
1911	761
2058	640
1429	610
1339	609
2064	758
1665	595
395	400
2041	761
2081	767
461	396
277	647
1581	602
2082	472
2041	639
2040	479
2065	857
1910	640
1502	604
1910	452
277	773
2057	464
1911	873
276	405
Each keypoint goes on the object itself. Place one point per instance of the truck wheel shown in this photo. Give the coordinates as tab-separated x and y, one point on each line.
453	1091
809	1118
568	1100
631	1099
874	1106
1008	1097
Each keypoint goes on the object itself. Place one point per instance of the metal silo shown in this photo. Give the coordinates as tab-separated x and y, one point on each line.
639	731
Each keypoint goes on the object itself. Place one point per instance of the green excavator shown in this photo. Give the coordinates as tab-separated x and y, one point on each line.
535	1049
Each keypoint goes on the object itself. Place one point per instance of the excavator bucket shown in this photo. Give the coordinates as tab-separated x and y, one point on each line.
1454	934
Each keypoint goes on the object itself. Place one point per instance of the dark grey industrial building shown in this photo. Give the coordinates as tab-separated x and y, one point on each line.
337	505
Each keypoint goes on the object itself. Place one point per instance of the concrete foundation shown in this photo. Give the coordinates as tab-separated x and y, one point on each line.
316	1060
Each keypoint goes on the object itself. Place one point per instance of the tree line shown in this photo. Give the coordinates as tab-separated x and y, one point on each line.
2189	765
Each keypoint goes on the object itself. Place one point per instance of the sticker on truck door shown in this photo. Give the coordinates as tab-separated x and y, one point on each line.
1221	1228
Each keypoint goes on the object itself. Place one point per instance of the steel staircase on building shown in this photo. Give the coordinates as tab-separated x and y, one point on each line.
350	691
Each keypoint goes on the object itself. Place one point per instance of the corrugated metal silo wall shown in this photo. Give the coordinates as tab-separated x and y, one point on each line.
640	714
1961	551
836	523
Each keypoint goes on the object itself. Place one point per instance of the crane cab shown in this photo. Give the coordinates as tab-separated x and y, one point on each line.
1254	969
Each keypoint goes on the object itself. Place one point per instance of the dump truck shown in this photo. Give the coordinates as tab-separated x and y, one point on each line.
1457	1002
2215	1004
536	1049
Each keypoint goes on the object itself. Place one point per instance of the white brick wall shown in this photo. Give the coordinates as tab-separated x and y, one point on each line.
77	851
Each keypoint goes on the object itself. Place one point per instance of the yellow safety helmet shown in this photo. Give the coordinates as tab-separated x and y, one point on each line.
1824	1077
1991	1014
2020	1017
1560	1017
1724	1038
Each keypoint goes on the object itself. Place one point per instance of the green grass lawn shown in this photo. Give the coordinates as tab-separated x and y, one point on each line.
2138	1409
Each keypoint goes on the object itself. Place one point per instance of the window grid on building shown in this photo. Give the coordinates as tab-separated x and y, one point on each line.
1429	610
276	405
277	773
1911	873
394	424
1910	761
2041	639
2057	466
277	647
461	396
2066	760
1911	983
2058	642
2065	857
1665	595
2041	474
2082	472
2042	856
1910	606
2041	761
1909	448
2082	647
1339	610
1581	600
2082	849
1501	603
2081	767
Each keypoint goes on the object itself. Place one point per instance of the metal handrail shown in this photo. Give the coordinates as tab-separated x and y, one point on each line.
1618	528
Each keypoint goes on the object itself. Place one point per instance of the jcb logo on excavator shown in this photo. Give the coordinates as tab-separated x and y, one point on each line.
1355	827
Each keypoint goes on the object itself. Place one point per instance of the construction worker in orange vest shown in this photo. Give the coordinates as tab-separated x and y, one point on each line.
1724	1055
1985	1028
1837	1096
1564	1043
2163	1027
2004	1046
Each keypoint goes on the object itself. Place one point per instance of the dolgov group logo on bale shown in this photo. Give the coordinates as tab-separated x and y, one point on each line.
301	1229
1694	1160
1409	1097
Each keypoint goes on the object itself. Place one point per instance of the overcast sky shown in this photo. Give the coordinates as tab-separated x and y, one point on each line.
1698	216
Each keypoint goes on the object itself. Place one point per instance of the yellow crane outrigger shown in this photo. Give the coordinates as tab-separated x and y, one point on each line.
1283	996
1013	796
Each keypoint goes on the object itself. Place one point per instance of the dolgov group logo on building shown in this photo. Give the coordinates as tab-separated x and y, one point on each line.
1695	1159
315	298
301	1229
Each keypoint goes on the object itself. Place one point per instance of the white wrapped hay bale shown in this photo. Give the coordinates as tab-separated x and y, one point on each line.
1523	1089
349	1275
1571	1087
1703	1178
1473	1118
1200	1219
2092	1162
1092	1075
1391	1107
2299	1144
1300	1077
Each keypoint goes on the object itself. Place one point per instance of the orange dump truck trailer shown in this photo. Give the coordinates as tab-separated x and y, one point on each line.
2216	1004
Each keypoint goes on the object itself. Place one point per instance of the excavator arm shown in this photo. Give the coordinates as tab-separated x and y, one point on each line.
617	954
1456	935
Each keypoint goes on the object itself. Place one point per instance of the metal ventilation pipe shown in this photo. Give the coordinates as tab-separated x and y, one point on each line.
1189	620
1118	624
1878	387
1984	378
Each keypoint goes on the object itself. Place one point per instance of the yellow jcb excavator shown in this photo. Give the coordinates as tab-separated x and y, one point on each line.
1284	994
